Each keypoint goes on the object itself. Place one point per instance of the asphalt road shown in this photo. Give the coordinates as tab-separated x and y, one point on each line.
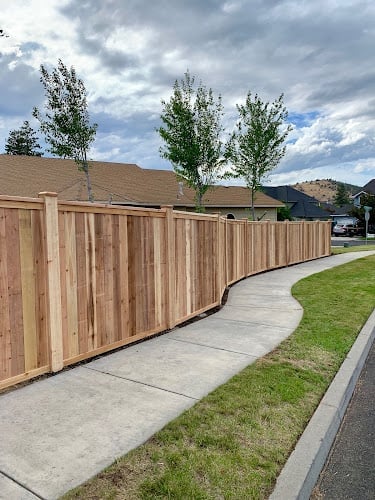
349	471
338	241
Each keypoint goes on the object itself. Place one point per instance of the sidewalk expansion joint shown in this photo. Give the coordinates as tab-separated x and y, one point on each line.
22	485
261	323
291	307
141	383
214	347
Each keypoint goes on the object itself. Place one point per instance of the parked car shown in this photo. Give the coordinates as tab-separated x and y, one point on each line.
347	230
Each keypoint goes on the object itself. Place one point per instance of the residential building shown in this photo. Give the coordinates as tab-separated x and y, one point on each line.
124	184
302	206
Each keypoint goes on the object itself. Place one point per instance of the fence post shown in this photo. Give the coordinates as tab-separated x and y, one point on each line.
219	258
245	254
170	265
226	252
268	244
287	253
327	238
53	281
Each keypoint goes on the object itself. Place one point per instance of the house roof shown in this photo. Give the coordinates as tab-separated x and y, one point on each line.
301	205
370	187
356	195
344	210
123	183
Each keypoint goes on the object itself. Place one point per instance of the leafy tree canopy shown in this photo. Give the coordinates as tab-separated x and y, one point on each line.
283	213
257	145
342	196
66	123
191	133
367	200
23	142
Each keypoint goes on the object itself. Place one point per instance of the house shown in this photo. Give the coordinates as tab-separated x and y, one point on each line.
369	188
302	206
124	184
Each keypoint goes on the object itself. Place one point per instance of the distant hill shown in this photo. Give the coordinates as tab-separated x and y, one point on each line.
324	189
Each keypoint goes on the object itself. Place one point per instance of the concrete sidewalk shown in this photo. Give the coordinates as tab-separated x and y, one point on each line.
58	432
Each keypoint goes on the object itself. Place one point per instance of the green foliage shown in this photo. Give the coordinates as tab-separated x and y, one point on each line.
358	248
257	145
66	124
191	133
23	142
342	197
367	200
283	213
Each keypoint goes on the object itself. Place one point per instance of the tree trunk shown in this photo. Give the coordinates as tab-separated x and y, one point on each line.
252	203
199	208
88	181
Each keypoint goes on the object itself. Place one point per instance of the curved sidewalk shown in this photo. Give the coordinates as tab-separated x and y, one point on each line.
58	432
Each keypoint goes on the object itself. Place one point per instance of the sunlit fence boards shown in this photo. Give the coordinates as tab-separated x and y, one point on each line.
23	307
80	279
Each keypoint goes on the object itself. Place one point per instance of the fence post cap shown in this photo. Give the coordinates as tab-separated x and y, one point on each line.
44	194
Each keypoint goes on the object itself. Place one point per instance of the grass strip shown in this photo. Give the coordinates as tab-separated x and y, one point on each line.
357	248
234	442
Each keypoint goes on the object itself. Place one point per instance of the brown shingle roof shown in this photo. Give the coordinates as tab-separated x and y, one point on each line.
120	182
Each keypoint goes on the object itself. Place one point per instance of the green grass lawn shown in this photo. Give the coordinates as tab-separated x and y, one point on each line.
234	442
358	248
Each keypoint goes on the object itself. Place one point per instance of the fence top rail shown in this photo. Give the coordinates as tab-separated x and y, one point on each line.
88	207
20	202
237	221
178	214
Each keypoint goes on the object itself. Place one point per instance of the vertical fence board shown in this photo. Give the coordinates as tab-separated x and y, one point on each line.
30	336
41	311
15	291
189	293
132	275
71	283
100	291
53	280
91	281
81	282
123	277
158	288
5	332
123	274
108	277
63	280
170	269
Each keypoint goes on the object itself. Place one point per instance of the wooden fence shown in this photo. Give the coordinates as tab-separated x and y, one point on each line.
80	279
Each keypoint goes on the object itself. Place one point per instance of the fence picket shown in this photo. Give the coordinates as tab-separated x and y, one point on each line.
79	279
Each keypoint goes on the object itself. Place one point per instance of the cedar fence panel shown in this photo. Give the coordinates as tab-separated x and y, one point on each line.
23	307
80	279
113	277
196	262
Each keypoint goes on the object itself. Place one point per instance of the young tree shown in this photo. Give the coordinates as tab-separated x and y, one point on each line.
283	213
191	132
23	142
359	212
257	145
341	197
66	124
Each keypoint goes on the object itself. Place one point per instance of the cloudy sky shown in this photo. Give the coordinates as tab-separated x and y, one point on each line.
319	53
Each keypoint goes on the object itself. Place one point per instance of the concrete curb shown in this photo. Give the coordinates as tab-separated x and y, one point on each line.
300	473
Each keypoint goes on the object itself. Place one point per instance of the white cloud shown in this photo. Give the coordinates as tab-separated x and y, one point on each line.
319	54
